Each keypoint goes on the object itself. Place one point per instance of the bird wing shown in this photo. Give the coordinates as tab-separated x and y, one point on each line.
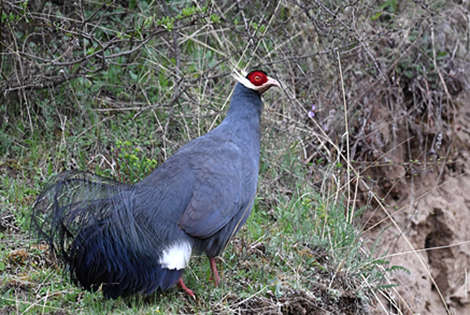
217	193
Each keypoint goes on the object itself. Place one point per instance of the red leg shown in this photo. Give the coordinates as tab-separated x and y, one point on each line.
185	288
215	273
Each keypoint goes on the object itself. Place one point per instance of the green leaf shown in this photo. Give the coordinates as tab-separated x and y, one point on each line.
441	55
376	16
215	18
133	76
188	11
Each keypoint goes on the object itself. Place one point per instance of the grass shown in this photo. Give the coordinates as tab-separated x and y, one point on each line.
299	247
152	76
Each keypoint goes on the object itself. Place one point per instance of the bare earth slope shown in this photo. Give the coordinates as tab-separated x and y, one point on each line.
435	218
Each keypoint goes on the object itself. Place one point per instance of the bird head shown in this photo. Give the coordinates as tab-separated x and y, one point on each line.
256	80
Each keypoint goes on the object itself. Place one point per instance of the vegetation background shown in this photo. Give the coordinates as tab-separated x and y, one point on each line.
371	92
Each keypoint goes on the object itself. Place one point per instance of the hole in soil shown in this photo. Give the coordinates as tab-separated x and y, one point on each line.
440	235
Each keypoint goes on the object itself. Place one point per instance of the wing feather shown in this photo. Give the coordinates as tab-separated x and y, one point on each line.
216	197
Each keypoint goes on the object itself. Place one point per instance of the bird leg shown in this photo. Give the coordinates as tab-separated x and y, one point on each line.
215	273
185	288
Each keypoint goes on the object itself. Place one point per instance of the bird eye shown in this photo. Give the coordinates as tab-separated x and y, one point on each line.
257	77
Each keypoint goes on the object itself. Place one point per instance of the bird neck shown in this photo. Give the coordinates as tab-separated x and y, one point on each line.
242	122
245	108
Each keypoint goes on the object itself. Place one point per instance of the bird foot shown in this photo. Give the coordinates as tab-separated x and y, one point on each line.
185	288
215	274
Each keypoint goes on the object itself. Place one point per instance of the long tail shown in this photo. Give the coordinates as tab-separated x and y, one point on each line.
95	226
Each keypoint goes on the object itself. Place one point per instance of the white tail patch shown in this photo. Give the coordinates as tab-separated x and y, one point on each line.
176	256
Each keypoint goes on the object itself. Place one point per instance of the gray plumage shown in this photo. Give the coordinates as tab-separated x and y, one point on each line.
129	239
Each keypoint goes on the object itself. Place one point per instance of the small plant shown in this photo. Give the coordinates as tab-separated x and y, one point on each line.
133	165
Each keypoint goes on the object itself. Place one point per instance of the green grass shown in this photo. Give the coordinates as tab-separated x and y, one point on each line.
291	248
295	245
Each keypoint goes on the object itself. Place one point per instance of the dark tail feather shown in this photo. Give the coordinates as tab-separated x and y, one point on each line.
95	226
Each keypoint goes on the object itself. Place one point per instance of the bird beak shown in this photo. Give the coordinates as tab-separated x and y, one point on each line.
271	82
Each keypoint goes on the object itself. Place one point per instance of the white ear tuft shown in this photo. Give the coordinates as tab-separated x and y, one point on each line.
240	76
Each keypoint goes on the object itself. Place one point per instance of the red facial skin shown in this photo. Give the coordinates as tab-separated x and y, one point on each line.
257	77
